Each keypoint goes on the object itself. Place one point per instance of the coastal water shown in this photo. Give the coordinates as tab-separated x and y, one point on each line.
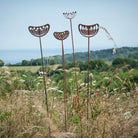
16	56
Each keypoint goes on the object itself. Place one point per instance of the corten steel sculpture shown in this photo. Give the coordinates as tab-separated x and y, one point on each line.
40	31
62	36
70	16
88	31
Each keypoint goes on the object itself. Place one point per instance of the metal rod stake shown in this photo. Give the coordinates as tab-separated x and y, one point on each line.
65	90
44	81
74	55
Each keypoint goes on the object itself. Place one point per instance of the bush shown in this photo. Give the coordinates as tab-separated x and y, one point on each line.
1	63
123	61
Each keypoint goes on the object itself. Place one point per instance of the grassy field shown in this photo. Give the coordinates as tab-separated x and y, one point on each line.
113	104
26	68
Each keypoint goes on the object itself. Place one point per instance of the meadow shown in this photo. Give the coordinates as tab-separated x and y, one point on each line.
113	101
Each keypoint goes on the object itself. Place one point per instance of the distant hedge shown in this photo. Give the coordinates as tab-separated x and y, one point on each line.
1	63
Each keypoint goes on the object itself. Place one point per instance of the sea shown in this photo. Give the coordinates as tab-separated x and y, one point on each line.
16	56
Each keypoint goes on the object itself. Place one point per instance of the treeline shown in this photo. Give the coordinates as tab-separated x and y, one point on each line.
106	55
101	65
1	63
36	62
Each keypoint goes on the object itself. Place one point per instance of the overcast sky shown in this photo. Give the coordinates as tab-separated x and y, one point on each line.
119	17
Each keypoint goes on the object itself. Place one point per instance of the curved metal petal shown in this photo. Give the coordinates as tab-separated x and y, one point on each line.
88	30
61	35
39	31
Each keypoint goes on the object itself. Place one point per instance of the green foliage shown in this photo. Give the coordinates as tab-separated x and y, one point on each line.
4	116
125	61
133	55
106	55
1	63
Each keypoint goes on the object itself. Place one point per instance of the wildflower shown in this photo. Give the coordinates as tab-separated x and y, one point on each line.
60	91
48	82
33	106
14	78
82	84
116	89
40	77
7	72
94	82
52	88
5	68
118	98
106	78
24	91
9	82
38	83
91	75
127	115
24	75
21	80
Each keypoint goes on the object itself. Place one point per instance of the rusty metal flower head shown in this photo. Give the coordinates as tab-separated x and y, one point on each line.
61	35
88	30
70	15
39	31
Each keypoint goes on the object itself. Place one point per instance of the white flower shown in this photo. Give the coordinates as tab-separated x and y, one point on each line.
14	78
60	91
70	80
9	81
118	98
91	75
106	78
7	72
21	80
38	83
94	82
82	84
48	82
5	68
33	106
25	91
116	89
40	77
53	82
24	75
127	115
52	88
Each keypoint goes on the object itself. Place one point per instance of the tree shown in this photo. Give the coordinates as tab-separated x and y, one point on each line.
125	61
1	63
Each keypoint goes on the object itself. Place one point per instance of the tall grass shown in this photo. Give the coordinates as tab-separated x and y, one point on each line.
113	107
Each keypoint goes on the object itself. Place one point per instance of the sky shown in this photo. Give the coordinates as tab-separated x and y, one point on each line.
119	17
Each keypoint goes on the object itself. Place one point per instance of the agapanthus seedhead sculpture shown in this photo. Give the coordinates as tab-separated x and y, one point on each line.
69	15
88	31
40	31
62	36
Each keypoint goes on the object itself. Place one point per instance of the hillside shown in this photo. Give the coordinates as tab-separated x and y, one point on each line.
106	54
